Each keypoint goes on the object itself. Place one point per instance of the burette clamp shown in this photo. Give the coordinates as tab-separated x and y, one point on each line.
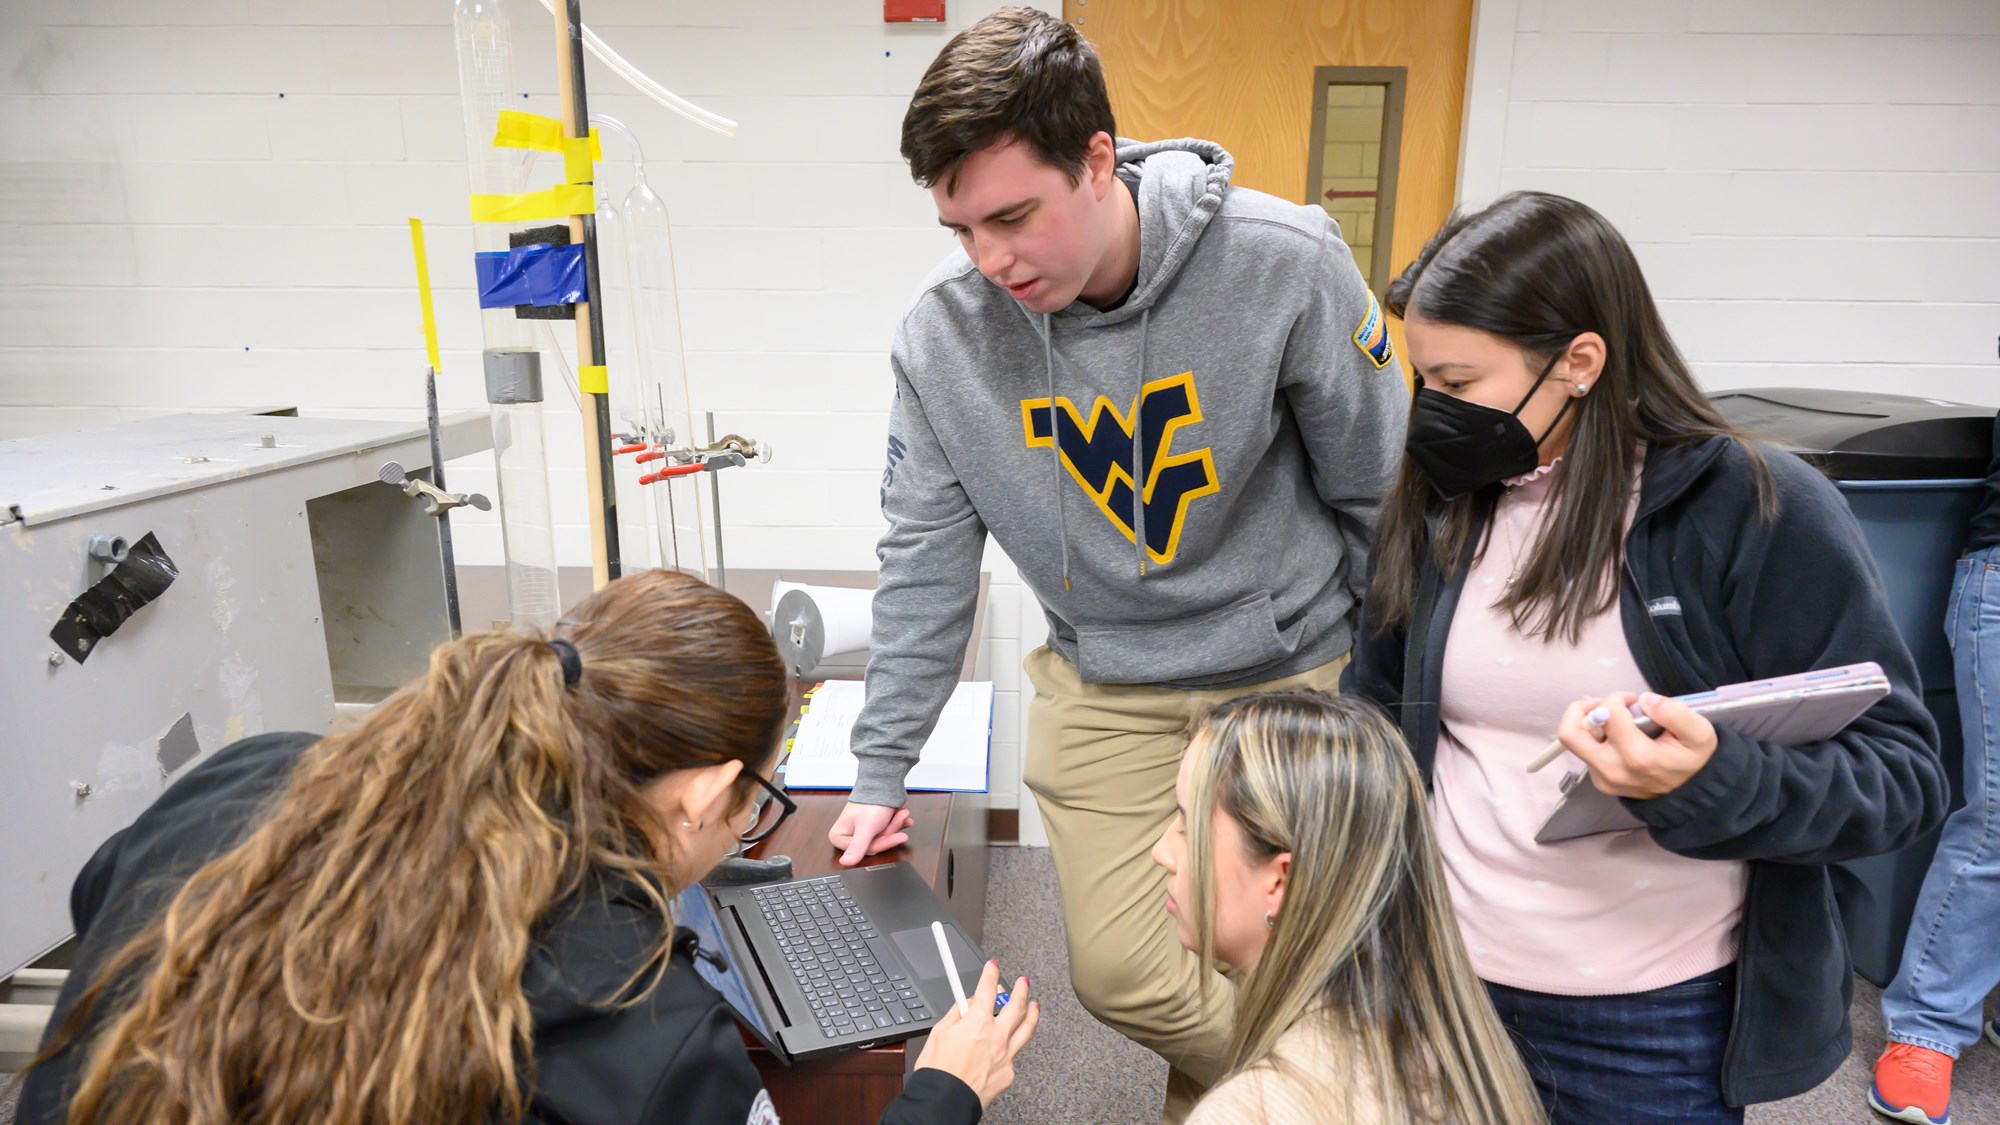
748	448
731	451
436	500
686	462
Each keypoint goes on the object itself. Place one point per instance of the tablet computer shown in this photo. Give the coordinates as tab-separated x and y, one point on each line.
1789	710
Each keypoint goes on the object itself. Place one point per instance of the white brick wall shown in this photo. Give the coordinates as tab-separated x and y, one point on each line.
1813	186
202	206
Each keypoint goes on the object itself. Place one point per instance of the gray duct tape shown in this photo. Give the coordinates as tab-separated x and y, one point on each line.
99	611
513	377
178	746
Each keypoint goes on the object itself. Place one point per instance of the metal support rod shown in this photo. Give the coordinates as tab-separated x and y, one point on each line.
596	408
444	518
715	495
673	519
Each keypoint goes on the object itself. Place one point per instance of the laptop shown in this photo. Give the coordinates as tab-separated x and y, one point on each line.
831	963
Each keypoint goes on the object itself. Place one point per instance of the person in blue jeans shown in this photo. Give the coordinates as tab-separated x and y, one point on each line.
1952	959
1575	522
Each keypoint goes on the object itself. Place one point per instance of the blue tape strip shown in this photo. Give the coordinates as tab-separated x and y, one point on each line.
540	274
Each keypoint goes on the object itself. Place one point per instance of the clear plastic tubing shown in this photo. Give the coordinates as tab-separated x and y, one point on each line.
513	365
714	122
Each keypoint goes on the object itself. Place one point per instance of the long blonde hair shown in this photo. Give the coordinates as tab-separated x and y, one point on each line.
356	959
1366	939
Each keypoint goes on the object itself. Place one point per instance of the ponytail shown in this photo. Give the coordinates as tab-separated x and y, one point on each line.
357	958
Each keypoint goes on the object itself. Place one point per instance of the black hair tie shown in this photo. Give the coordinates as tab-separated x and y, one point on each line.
572	661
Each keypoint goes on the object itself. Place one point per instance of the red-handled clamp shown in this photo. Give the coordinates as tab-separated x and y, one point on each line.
671	471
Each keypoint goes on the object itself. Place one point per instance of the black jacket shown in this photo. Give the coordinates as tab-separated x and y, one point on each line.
1711	595
674	1057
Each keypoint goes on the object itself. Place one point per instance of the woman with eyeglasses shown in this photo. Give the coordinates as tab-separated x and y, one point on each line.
458	910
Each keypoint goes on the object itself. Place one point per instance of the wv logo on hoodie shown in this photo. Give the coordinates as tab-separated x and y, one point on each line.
1097	450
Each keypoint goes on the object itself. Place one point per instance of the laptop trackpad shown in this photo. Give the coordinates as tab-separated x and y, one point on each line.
920	949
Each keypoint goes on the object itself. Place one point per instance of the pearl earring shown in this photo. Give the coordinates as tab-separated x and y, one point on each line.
1580	389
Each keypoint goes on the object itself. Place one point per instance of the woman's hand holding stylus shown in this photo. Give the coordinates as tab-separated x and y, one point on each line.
1623	760
979	1047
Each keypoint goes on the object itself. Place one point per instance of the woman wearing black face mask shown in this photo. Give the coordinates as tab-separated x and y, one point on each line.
1575	525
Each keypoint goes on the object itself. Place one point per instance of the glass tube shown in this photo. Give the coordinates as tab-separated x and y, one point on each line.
662	374
628	410
526	527
512	364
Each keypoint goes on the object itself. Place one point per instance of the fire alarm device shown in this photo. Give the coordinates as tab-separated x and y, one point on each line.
912	11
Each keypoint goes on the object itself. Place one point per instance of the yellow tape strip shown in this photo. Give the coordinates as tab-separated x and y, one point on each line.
559	202
592	379
578	153
545	134
527	130
424	293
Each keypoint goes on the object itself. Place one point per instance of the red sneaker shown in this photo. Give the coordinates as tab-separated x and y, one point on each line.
1912	1084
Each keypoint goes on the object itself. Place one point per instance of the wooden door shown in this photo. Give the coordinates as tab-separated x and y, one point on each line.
1241	73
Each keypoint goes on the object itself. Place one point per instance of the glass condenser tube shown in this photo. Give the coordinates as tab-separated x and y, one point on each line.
627	405
663	374
513	366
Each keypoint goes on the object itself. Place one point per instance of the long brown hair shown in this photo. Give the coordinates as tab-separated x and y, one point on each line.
1538	270
357	958
1366	942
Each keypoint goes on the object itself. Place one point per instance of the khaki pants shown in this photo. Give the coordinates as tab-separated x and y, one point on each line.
1101	761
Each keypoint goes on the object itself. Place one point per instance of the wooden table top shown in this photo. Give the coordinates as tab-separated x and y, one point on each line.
803	836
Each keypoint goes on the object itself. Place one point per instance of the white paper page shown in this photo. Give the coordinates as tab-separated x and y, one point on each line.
955	759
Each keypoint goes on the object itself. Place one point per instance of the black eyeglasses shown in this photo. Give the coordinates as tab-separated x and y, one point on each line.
763	821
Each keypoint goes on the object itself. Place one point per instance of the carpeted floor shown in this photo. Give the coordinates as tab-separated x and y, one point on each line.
1077	1072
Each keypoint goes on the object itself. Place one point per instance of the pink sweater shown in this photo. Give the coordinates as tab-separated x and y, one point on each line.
1598	916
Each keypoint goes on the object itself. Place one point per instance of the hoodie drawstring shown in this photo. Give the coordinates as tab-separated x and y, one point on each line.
1139	448
1138	445
1055	440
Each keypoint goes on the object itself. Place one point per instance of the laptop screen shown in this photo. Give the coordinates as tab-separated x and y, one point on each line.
695	910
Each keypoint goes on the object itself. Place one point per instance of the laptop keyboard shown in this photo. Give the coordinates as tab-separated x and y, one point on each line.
839	961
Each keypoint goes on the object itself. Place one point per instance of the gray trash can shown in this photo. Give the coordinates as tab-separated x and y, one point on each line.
1911	468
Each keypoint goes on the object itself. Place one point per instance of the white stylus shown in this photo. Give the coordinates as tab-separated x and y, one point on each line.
950	968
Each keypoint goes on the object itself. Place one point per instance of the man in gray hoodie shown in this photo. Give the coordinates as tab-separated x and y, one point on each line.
1116	313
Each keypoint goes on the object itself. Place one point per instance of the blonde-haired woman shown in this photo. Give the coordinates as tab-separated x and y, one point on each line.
457	912
1302	857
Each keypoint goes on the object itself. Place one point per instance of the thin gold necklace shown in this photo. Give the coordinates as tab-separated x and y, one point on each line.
1516	563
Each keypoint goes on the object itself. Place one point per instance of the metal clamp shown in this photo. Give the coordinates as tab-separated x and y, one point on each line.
701	462
750	448
731	451
436	500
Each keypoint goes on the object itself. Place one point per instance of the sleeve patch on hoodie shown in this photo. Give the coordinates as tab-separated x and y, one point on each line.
1372	337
